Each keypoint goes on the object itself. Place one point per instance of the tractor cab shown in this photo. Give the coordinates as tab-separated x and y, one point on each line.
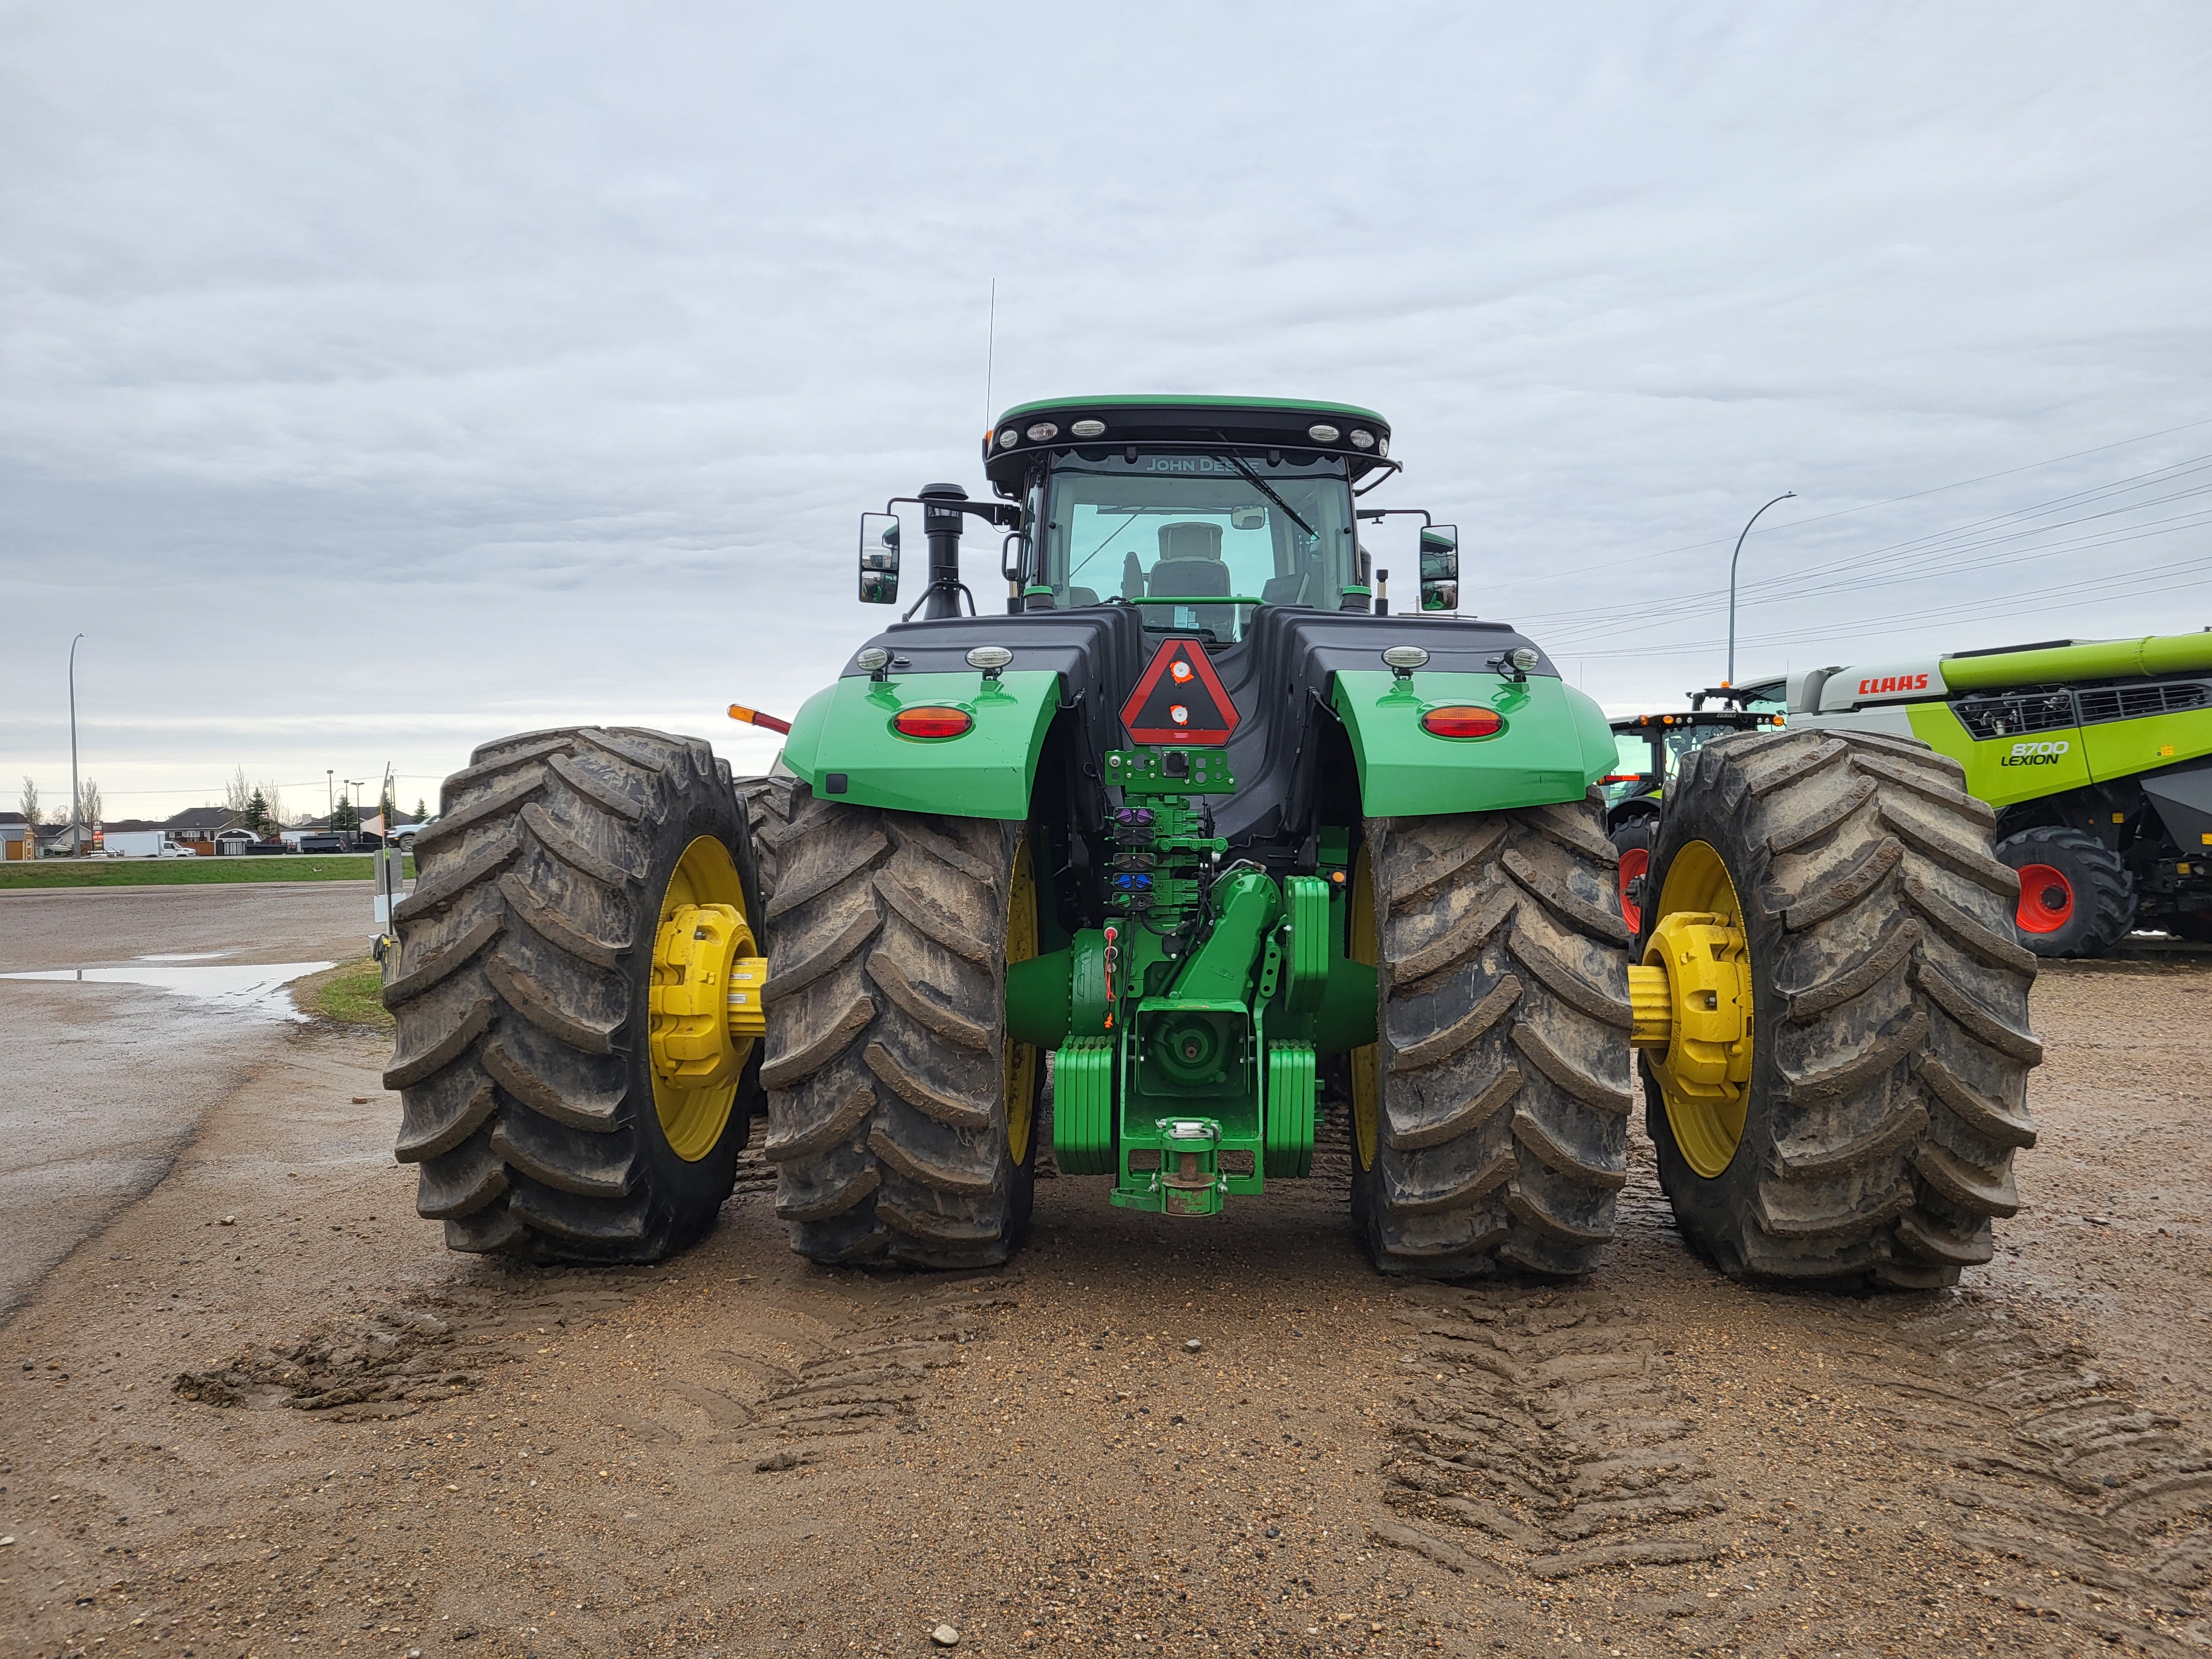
1196	511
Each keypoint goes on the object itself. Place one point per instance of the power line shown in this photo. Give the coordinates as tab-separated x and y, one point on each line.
1866	506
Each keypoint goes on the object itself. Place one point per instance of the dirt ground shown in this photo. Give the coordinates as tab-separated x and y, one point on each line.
379	1449
106	1085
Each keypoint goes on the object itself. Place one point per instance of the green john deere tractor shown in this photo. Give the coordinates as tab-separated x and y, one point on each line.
1194	844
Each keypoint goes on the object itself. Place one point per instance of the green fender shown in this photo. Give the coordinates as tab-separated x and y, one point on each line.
843	745
1554	745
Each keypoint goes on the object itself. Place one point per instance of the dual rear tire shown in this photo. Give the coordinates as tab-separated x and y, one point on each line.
523	988
1872	1142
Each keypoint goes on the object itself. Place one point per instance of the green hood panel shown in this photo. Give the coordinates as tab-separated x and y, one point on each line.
1555	744
986	773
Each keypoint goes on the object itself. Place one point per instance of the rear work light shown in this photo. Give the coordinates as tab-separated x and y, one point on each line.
1463	721
930	722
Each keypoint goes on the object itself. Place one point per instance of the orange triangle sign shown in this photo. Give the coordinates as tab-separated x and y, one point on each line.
1180	700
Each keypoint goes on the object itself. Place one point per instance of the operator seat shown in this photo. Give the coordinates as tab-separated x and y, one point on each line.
1190	567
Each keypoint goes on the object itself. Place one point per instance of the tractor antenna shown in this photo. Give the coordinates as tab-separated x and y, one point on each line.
990	354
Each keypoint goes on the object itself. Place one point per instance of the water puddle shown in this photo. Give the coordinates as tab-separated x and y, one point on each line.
255	987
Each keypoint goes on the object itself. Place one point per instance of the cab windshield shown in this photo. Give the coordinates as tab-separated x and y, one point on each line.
1178	533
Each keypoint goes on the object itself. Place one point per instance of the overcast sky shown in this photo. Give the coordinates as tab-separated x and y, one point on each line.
374	381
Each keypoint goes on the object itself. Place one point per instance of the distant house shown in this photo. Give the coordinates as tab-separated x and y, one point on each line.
197	827
17	837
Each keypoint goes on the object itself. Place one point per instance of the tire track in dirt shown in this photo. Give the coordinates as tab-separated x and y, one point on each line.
1547	1434
2091	1507
1548	1438
872	1376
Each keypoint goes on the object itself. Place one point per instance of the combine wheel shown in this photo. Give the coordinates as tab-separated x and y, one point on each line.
2076	897
901	1121
1633	838
559	1090
1833	1011
1490	1121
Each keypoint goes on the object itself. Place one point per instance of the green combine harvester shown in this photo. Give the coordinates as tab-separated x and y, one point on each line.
1196	844
2095	754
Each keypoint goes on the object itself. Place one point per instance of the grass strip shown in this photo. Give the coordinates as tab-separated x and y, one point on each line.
184	873
352	994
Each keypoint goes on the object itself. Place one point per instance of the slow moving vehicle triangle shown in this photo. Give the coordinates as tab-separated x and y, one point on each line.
1180	700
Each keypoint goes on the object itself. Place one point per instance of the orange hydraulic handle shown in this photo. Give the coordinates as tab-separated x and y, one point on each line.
754	717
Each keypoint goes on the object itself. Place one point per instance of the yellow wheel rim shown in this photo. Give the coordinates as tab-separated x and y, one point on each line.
1021	1057
1705	1111
1366	1063
693	1120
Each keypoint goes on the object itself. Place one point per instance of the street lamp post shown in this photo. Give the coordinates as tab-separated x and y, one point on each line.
76	800
1787	494
330	795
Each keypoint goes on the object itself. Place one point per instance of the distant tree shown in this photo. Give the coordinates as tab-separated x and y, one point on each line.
389	808
272	801
30	802
422	811
88	803
344	816
254	815
237	794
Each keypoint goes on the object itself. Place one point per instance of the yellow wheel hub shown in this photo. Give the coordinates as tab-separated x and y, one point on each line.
1366	1063
1021	1057
705	1011
1692	1004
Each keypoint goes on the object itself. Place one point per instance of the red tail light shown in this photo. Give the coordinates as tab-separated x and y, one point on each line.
1462	722
931	722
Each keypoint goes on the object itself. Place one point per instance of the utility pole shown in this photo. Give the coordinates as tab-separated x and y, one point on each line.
1786	495
76	800
329	796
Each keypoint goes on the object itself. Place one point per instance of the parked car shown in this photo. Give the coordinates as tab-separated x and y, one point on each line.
323	840
403	835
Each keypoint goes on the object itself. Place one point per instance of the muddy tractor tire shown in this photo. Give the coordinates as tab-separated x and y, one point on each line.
903	1126
2076	896
1883	1093
768	801
523	990
1490	1119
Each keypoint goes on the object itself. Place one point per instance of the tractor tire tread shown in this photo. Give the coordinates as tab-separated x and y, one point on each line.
885	1064
1899	1055
1502	1139
519	1051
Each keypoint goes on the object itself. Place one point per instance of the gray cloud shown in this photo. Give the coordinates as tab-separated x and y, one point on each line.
373	383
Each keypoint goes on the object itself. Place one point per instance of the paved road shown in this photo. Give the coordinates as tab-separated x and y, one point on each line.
106	1081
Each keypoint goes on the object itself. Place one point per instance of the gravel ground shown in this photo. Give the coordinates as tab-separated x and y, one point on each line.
306	1429
106	1081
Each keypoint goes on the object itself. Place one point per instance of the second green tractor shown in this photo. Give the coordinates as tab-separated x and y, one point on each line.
1190	845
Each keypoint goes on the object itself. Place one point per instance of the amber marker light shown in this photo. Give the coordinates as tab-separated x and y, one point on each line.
754	717
931	722
1463	721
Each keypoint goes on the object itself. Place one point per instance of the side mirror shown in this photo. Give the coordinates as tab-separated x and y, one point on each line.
879	558
1440	567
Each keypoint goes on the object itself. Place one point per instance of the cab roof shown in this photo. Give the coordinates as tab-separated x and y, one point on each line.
1152	418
